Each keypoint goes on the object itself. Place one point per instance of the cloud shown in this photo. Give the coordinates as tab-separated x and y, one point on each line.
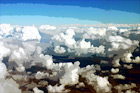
47	27
79	47
3	70
59	50
57	88
36	90
112	28
23	59
30	32
71	76
127	58
118	76
18	32
94	33
122	87
8	86
4	51
118	42
100	84
5	30
114	70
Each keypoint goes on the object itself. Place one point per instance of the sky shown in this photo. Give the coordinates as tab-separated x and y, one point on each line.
56	12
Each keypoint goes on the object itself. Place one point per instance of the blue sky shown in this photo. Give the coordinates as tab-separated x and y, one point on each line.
56	12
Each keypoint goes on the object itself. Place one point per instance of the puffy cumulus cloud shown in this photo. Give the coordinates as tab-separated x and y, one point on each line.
112	28
29	47
20	68
103	83
94	33
100	84
3	70
19	32
18	54
116	63
39	75
26	54
81	84
114	70
57	89
122	87
21	52
71	76
47	27
123	30
127	58
118	42
48	61
138	28
83	47
104	40
64	38
59	49
73	46
130	91
4	51
30	32
36	90
118	76
130	66
9	86
5	30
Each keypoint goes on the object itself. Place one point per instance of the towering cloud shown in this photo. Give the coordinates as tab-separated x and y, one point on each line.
18	32
30	32
23	59
5	30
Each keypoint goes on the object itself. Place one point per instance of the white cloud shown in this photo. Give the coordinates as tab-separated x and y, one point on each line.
9	86
130	66
36	90
71	76
47	27
123	30
56	88
127	58
118	42
4	51
72	46
112	28
26	52
18	54
59	49
94	33
118	76
30	32
5	30
114	70
18	32
122	87
3	70
48	60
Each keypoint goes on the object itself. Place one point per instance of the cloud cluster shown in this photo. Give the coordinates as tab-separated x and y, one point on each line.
47	27
94	33
118	42
127	57
22	59
18	32
71	45
100	84
91	41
